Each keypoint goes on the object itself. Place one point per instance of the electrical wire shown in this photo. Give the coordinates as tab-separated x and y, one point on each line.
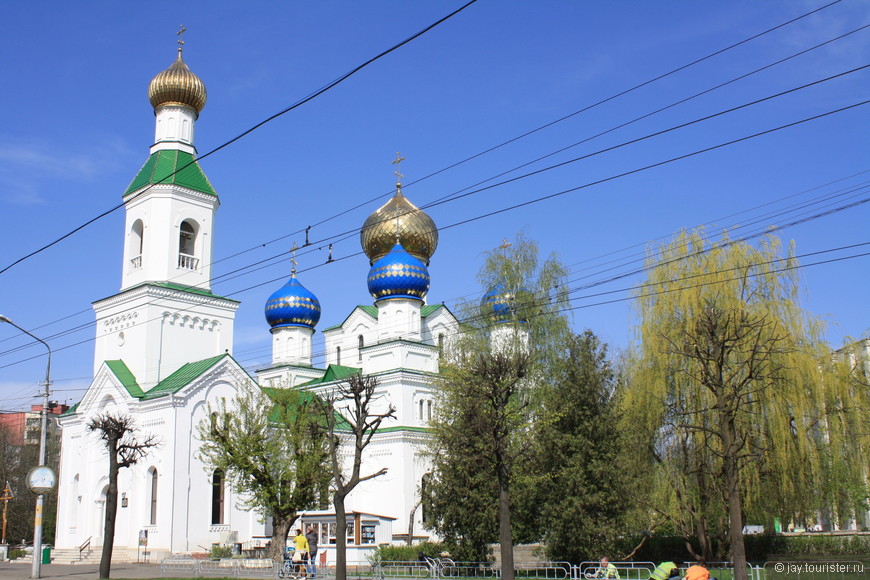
295	105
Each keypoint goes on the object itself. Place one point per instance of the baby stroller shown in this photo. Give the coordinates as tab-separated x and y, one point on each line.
294	565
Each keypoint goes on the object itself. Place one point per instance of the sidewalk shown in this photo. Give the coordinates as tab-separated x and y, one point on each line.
9	571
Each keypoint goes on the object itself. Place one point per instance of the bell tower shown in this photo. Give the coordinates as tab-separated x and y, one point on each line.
165	314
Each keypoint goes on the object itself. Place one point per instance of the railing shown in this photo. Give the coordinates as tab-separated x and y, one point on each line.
239	567
136	263
626	570
445	568
85	546
187	262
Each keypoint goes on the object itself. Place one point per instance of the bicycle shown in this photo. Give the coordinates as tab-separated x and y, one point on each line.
442	567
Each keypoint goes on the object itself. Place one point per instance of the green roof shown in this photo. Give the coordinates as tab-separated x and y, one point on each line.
172	167
171	384
182	377
367	308
428	309
126	377
70	411
333	373
372	311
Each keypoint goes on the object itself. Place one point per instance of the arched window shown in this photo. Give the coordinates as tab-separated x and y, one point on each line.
428	410
137	240
338	355
152	473
440	344
187	246
422	402
217	497
361	342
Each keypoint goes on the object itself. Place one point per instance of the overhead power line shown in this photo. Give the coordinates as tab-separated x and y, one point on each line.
360	67
295	105
570	190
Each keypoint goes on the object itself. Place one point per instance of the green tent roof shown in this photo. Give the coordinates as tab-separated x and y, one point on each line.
172	167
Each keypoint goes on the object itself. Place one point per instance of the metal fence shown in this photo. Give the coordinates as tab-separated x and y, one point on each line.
237	567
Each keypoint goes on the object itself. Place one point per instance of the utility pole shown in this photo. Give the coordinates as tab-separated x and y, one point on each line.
7	495
40	498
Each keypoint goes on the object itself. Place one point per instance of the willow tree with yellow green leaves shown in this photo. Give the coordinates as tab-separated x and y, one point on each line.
730	392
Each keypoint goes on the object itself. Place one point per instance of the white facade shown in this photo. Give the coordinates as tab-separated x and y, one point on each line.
163	355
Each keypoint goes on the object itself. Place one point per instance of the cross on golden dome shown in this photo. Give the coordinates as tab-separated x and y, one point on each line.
398	163
180	32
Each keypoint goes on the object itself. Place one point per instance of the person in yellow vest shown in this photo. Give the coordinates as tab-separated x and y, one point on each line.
665	571
697	571
606	569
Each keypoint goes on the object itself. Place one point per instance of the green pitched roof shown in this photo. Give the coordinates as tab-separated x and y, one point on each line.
160	167
182	377
120	370
333	373
428	309
372	311
367	308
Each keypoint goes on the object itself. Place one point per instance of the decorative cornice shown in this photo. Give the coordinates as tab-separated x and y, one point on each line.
152	290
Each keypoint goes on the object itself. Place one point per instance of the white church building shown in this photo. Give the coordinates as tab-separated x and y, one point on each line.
164	346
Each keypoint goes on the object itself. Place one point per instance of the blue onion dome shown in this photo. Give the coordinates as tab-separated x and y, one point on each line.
501	304
398	275
292	305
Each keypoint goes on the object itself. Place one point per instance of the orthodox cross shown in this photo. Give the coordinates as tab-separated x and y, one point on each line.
180	32
293	258
505	245
398	163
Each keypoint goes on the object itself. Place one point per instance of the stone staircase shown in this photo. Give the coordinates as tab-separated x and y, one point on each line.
90	555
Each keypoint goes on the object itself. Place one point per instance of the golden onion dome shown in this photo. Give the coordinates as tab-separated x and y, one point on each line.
416	230
177	86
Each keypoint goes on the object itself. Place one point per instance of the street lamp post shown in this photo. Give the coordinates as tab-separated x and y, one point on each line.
40	499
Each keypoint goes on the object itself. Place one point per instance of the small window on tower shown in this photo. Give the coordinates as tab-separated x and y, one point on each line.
187	246
360	347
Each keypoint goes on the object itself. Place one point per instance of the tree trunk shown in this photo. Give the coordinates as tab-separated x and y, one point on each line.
280	530
732	491
111	513
505	537
340	538
411	521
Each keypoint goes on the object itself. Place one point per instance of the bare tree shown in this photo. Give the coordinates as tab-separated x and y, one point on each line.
349	416
118	433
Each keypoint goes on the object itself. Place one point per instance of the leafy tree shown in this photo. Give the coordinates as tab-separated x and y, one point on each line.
119	434
508	344
350	419
578	485
16	460
274	453
727	388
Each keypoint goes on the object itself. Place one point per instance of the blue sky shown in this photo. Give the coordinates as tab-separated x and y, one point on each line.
77	128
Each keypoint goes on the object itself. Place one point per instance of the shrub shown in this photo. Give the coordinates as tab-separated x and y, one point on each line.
218	551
